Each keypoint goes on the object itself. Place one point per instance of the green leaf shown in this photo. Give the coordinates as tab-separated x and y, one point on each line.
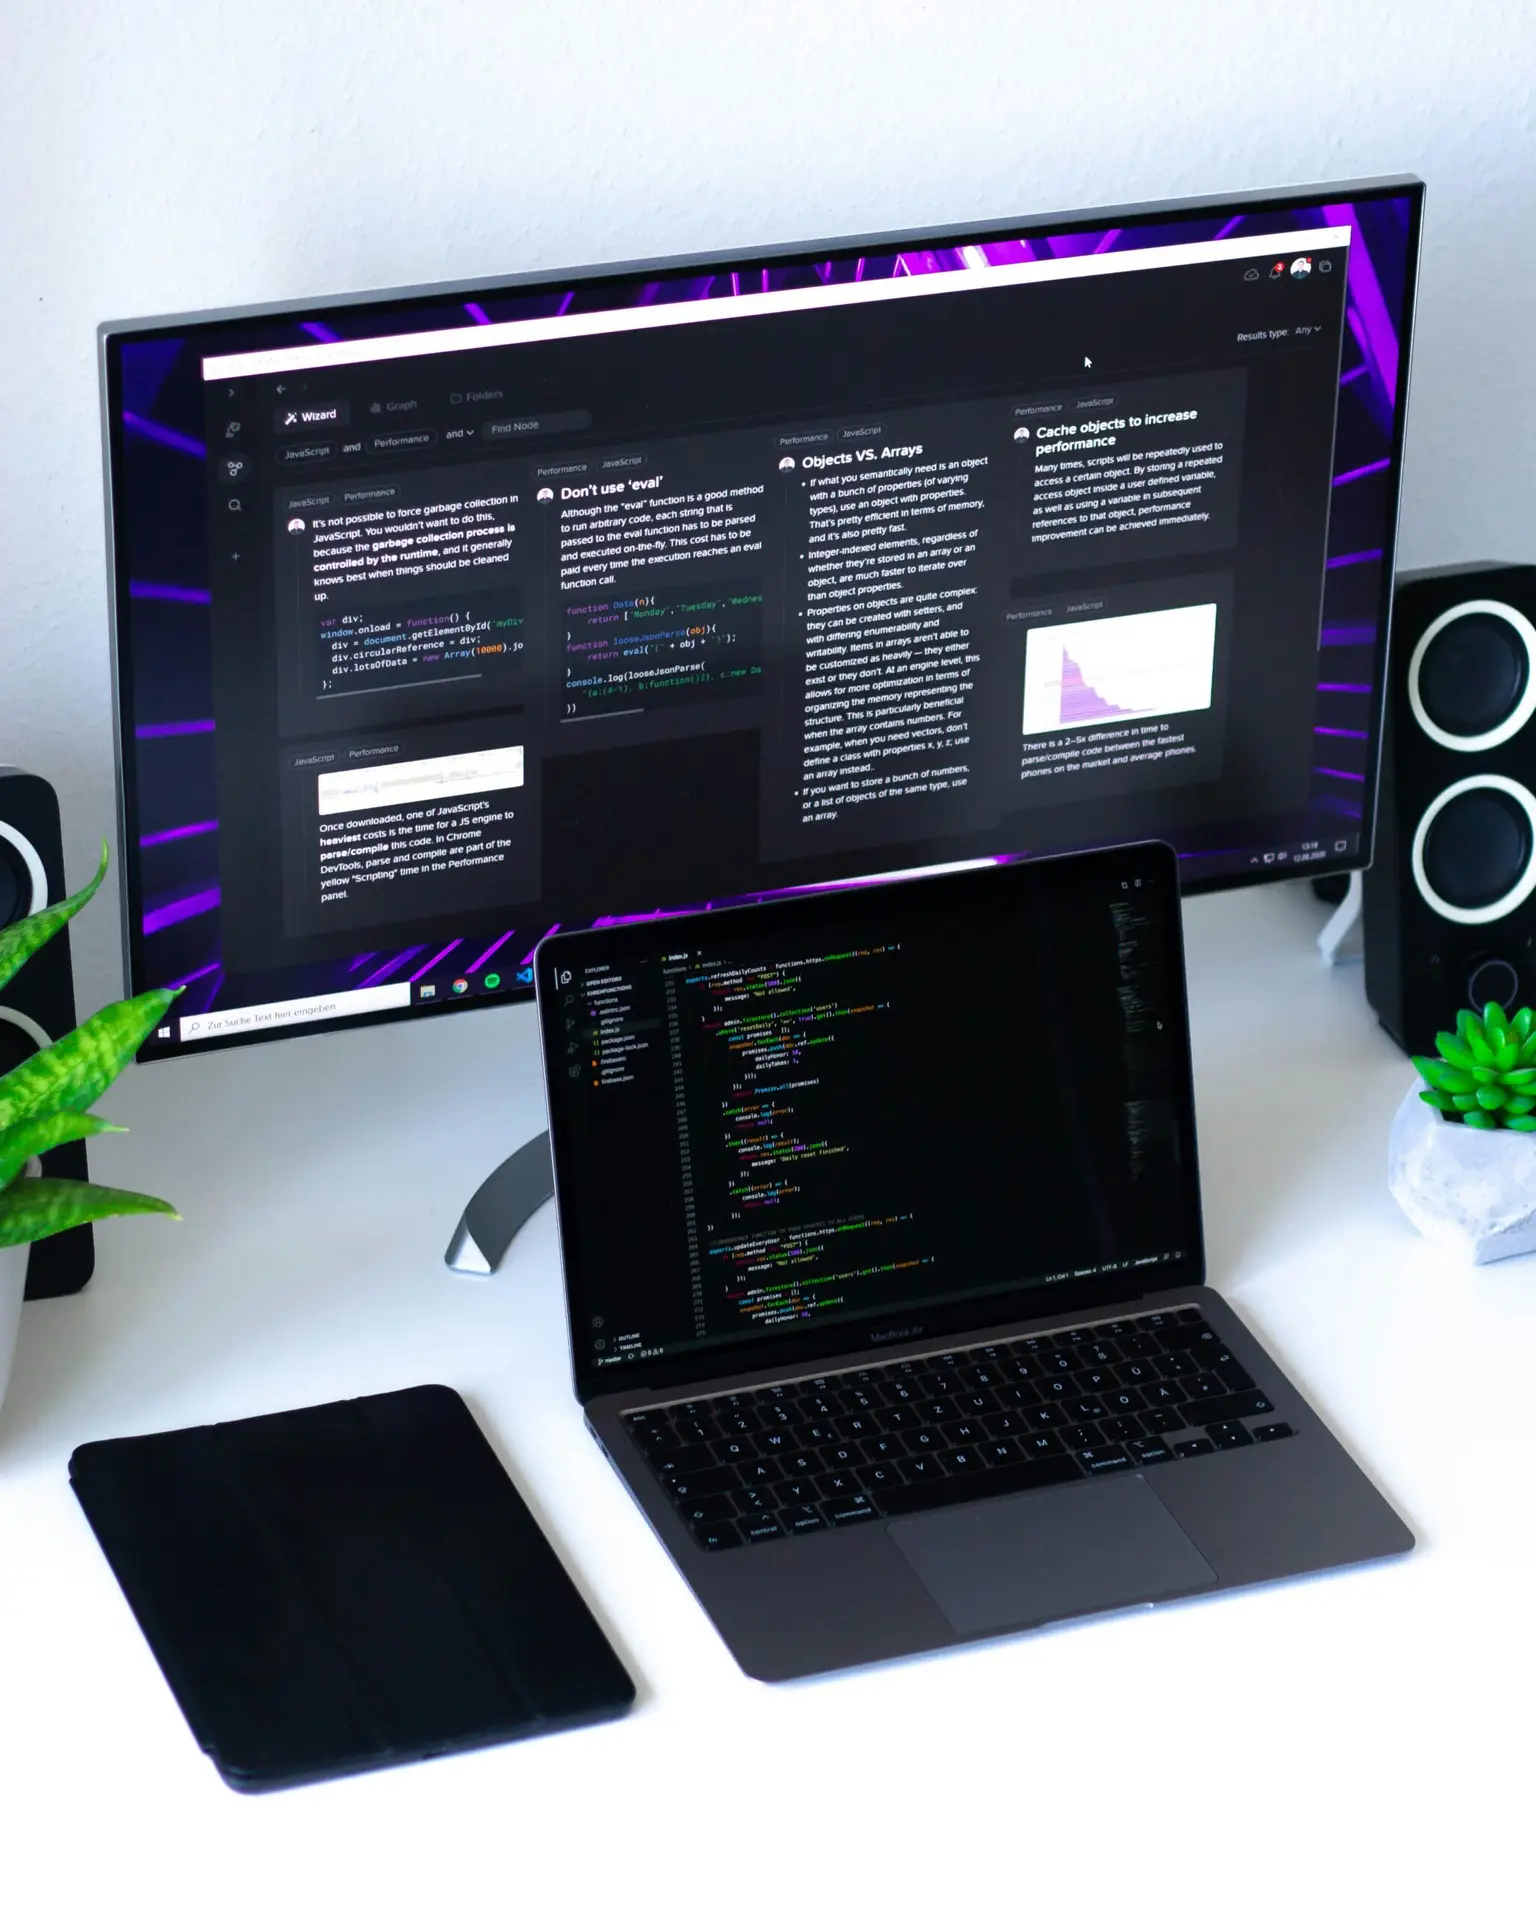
1507	1056
1464	1102
1522	1023
1466	1022
1520	1077
1451	1049
1528	1052
1441	1100
1449	1079
1478	1047
1519	1103
44	1132
34	1209
1484	1122
1486	1076
1491	1098
19	942
1522	1123
77	1070
1494	1024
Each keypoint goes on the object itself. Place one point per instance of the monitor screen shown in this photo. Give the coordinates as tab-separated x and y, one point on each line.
446	619
870	1114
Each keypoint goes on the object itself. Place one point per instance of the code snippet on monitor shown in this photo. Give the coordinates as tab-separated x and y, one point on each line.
795	1207
627	652
415	644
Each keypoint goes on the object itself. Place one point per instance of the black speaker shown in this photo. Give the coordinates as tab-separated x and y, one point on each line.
38	1006
1450	898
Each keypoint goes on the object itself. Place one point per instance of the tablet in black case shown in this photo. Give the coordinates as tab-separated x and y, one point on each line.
345	1587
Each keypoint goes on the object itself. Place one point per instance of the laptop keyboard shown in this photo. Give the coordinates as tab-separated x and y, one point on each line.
878	1442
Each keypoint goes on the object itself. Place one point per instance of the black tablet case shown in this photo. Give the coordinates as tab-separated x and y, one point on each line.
345	1587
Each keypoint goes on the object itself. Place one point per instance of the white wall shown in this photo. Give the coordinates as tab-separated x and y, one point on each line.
197	153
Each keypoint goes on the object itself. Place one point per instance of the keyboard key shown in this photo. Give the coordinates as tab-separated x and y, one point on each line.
1036	1444
925	1439
1229	1434
1203	1386
1150	1453
680	1459
762	1526
832	1486
996	1452
922	1468
1103	1353
1124	1400
715	1506
856	1426
846	1513
997	1425
695	1486
878	1479
1086	1435
1105	1459
982	1400
1126	1427
1089	1409
842	1457
1163	1420
1233	1377
1047	1416
963	1460
1231	1406
715	1535
1019	1477
1186	1449
1276	1430
891	1447
1138	1345
797	1492
734	1450
801	1519
1018	1395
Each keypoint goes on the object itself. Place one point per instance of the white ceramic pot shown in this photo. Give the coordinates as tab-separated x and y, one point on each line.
13	1282
1468	1189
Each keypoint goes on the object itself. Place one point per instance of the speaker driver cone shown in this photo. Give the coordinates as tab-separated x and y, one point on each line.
23	883
1472	852
1472	676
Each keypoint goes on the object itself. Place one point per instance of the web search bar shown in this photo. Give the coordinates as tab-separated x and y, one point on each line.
294	1013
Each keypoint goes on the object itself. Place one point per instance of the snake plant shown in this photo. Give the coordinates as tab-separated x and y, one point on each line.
1486	1074
45	1102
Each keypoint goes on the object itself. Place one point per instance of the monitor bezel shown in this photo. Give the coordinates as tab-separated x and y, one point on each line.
113	334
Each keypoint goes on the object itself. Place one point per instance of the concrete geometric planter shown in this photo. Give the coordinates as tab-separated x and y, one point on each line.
1461	1187
13	1281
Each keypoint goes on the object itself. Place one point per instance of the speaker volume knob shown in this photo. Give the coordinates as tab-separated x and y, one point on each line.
1493	979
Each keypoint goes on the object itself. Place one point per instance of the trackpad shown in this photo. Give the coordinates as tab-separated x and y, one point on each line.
1050	1555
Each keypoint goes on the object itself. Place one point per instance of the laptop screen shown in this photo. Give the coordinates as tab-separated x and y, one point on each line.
846	1119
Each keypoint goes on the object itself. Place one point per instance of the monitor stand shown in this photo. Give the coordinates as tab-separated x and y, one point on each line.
502	1202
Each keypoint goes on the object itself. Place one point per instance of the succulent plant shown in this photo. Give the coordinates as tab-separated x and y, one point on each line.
44	1102
1486	1074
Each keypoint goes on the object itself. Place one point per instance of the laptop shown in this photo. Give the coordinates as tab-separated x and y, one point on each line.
880	1216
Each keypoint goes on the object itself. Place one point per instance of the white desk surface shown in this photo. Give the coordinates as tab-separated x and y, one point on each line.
1358	1744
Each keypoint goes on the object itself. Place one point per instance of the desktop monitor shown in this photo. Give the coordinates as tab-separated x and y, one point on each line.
446	618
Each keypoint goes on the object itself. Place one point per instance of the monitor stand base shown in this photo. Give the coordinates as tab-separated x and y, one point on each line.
502	1203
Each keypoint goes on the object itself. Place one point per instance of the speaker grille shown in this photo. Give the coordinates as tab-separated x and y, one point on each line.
1472	853
1472	677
